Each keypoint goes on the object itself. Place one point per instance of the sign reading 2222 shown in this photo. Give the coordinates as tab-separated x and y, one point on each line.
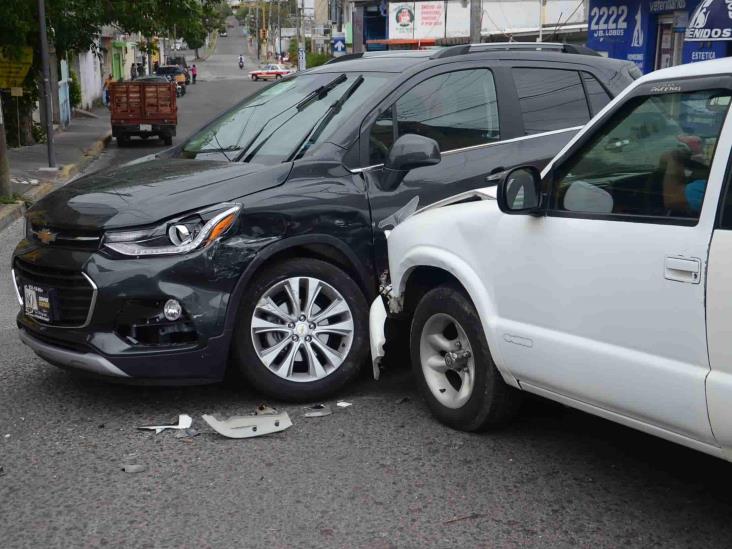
609	21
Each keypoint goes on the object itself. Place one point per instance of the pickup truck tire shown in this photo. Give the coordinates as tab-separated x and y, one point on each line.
168	140
463	390
123	141
322	341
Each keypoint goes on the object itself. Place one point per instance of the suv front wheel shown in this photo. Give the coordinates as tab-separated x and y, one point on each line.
301	330
453	365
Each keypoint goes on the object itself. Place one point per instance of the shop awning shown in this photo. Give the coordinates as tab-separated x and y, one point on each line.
711	21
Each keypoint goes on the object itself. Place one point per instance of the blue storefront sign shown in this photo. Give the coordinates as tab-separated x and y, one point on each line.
649	33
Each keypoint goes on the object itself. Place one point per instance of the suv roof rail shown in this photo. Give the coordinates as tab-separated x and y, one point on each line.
463	49
346	57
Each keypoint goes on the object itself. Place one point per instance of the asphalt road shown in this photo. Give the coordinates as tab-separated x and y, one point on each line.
381	473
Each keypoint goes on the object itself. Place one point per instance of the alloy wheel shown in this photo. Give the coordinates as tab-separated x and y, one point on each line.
302	329
447	360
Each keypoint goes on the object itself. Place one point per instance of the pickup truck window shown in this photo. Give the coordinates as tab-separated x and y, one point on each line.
652	158
551	99
457	109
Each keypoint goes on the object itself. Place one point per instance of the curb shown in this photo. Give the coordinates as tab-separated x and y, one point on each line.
10	212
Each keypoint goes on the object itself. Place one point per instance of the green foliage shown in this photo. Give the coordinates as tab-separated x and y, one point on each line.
74	89
316	59
12	199
292	51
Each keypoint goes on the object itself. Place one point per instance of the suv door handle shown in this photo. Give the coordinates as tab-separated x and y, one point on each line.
682	269
495	174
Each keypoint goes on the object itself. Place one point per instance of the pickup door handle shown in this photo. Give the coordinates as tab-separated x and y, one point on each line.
682	269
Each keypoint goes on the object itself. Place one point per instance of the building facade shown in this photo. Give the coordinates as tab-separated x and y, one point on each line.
648	32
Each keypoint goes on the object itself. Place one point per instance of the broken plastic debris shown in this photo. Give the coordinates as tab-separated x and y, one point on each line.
318	410
184	422
187	433
343	404
264	421
134	468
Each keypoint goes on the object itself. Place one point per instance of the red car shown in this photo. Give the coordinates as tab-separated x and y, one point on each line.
272	71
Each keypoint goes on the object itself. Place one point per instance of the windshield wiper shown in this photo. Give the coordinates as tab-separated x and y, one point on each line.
321	92
309	99
312	135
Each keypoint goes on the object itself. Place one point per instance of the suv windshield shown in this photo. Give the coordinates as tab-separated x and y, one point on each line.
269	127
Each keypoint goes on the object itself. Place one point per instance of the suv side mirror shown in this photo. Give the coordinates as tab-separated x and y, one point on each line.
520	191
408	152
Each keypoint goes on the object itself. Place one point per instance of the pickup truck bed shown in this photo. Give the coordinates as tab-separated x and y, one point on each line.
144	109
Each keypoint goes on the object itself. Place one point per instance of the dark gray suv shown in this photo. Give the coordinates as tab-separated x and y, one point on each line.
258	242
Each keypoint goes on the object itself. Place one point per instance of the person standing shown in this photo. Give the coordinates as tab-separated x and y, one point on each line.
133	71
105	89
140	69
194	73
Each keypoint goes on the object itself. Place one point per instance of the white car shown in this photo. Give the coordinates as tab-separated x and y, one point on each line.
604	283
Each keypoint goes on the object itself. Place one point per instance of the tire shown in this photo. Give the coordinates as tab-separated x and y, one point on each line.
299	377
168	140
278	76
123	141
255	78
445	317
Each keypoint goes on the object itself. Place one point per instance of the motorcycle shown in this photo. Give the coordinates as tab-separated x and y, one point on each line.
241	65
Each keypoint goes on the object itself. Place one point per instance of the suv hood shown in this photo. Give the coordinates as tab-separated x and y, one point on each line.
148	192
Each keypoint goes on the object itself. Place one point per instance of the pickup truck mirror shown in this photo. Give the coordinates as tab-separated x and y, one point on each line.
520	191
408	152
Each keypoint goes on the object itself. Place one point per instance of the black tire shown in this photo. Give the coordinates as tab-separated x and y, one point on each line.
492	402
168	140
246	359
278	76
122	141
255	77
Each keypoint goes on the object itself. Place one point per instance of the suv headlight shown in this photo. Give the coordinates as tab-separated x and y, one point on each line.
177	236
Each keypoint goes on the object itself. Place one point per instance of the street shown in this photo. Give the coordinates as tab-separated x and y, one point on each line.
380	473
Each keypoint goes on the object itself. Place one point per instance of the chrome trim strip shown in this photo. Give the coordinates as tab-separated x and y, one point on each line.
93	301
17	290
89	362
483	145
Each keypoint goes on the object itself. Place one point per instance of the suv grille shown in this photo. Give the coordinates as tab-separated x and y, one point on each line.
75	294
50	236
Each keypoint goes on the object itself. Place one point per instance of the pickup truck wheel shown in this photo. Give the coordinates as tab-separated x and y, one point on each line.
123	141
453	365
302	330
168	140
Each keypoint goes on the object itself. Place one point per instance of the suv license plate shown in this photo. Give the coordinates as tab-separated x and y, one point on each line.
145	127
37	302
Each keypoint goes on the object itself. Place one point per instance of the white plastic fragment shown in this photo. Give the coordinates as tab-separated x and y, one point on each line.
343	404
184	422
264	422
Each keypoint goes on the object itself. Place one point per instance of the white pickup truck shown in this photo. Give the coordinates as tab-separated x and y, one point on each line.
604	283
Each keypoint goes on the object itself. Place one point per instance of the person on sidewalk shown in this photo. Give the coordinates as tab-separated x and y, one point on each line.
133	71
105	89
140	70
194	73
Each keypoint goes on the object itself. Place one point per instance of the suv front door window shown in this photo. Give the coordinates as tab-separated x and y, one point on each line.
457	109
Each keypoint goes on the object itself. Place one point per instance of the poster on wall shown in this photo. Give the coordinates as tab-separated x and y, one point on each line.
401	20
429	20
711	21
457	20
619	29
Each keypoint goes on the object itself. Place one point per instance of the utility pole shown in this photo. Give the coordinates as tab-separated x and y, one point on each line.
46	72
542	17
279	31
301	59
476	14
256	23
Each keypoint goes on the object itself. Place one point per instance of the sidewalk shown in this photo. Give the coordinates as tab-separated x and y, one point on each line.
76	146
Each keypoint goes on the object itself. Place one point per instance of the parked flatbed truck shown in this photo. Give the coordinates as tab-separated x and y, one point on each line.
143	108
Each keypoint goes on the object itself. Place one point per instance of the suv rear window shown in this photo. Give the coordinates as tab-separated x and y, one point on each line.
551	99
596	94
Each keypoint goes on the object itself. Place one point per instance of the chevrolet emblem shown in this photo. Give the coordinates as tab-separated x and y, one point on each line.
46	236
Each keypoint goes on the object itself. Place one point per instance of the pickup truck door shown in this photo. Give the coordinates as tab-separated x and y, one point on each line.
719	322
602	300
